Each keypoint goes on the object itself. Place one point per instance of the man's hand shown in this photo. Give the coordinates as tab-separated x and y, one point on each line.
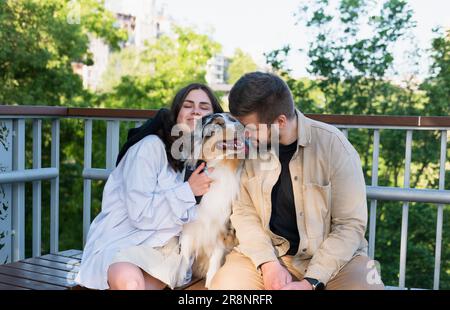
275	276
298	285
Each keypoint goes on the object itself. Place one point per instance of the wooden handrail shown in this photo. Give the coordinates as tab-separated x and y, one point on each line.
114	113
74	112
336	119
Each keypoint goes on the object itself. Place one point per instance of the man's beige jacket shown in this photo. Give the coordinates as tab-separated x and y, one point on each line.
330	203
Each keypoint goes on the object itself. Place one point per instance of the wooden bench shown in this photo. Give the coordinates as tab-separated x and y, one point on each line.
53	272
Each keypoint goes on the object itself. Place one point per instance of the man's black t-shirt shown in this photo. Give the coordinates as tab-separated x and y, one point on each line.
283	220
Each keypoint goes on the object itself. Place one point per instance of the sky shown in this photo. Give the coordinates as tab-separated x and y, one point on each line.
259	26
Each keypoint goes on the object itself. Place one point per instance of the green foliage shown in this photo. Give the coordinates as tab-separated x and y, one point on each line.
437	87
150	77
40	42
39	45
241	63
351	57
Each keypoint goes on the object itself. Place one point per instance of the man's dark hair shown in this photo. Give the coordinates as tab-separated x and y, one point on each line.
263	93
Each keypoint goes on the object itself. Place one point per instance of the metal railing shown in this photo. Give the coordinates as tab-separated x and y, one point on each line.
18	175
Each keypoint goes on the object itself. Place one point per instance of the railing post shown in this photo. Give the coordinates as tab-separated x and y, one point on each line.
440	211
87	182
112	143
373	203
54	189
405	211
37	187
18	199
6	213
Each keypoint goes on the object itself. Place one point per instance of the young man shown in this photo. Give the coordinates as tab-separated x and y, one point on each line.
300	224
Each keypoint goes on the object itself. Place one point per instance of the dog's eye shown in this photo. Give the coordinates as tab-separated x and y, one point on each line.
219	122
209	131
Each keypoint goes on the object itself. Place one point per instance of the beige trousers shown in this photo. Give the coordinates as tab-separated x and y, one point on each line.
239	273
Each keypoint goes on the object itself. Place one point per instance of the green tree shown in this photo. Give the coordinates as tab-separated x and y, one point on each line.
145	79
437	86
40	42
351	60
240	64
351	67
150	77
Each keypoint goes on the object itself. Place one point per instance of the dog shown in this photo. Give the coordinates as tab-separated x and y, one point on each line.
206	240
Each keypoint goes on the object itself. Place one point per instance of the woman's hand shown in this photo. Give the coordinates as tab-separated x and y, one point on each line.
200	182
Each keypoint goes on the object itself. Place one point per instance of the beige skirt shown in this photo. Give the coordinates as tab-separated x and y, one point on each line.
164	263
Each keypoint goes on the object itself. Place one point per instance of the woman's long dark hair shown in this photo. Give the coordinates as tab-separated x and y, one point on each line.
161	125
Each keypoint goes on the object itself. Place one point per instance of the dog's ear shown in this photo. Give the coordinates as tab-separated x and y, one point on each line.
207	119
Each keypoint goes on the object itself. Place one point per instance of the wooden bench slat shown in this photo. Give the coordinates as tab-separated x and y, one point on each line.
9	287
69	284
78	256
38	269
61	259
55	265
55	272
70	253
30	284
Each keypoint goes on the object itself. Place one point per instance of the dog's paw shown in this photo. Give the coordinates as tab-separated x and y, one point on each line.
209	276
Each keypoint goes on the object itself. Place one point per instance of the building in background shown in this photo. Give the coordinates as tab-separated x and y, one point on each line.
216	70
92	75
128	23
142	19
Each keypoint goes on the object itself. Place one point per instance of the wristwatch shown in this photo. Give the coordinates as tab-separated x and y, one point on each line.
316	284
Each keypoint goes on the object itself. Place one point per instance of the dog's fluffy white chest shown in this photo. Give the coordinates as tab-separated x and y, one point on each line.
202	239
214	210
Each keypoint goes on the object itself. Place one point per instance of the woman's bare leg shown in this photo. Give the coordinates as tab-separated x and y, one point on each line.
127	276
152	283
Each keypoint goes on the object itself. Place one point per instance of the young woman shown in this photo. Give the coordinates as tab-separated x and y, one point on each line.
133	242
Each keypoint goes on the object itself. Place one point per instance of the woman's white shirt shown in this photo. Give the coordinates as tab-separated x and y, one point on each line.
144	202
